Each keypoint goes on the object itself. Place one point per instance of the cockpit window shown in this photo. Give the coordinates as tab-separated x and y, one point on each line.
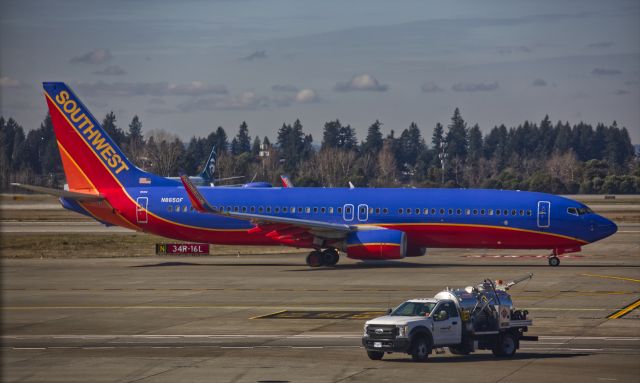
579	210
414	309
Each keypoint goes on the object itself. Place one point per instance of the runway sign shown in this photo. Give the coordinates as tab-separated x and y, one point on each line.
182	248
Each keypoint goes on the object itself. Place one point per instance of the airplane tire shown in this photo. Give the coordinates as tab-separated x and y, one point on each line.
330	257
314	259
554	261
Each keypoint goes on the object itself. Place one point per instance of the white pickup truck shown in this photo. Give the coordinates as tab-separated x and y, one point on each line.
464	320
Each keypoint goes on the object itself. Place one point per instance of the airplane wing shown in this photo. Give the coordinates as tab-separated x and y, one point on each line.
320	228
86	197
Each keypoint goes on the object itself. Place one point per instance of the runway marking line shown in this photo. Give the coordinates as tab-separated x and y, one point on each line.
611	277
625	310
268	315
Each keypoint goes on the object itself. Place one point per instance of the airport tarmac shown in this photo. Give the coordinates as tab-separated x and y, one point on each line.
268	318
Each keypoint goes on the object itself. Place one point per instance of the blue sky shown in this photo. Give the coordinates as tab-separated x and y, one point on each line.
190	66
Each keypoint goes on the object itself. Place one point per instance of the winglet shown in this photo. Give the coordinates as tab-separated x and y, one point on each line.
286	181
197	200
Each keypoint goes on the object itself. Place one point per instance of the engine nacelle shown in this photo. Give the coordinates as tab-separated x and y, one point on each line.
376	244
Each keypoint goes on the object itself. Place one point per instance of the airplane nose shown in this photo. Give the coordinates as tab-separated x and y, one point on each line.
606	227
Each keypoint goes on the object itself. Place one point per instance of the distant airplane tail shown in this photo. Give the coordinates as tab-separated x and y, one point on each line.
209	166
92	161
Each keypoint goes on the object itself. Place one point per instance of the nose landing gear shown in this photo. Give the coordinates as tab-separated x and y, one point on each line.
328	257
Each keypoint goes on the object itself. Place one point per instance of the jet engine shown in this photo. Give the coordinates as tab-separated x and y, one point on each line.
376	244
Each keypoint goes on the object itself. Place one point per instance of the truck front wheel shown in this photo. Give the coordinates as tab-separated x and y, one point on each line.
420	349
505	346
375	355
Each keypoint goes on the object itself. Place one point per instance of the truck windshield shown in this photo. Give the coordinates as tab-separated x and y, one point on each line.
411	309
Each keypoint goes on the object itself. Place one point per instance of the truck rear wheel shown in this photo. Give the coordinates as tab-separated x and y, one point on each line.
505	346
420	349
375	355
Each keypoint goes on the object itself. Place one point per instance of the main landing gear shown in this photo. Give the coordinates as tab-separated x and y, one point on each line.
328	257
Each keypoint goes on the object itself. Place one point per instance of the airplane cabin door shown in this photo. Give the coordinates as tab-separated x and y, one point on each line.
141	209
544	213
363	212
347	212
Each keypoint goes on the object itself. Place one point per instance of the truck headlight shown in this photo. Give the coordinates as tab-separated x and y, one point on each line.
365	329
402	331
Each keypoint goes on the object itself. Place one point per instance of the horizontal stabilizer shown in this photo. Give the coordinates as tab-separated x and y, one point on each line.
86	197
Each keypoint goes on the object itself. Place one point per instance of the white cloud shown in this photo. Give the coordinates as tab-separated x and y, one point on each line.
361	82
156	89
284	88
8	82
98	56
307	96
539	82
430	87
475	87
111	70
243	101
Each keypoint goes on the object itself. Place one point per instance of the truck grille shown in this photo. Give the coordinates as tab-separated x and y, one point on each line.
382	332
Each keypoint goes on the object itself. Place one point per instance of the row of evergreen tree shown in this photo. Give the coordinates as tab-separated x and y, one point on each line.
557	158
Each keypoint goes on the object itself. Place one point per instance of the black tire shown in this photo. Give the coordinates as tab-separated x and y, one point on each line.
459	351
506	346
554	261
375	355
330	257
314	259
420	349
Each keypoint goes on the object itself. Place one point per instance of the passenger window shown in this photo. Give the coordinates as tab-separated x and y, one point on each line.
459	211
450	211
408	211
433	211
228	208
377	210
268	209
285	209
521	212
475	211
177	208
253	209
307	210
339	210
244	209
300	209
442	211
529	213
323	210
514	212
184	209
425	211
276	210
417	211
315	210
490	211
260	209
400	211
482	212
347	210
330	210
170	208
498	212
467	211
385	210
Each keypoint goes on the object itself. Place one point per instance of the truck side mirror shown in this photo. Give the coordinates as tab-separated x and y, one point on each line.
388	311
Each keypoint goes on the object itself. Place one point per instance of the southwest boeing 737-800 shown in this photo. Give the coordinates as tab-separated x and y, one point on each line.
364	223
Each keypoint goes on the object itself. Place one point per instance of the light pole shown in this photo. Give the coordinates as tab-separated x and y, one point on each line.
443	157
